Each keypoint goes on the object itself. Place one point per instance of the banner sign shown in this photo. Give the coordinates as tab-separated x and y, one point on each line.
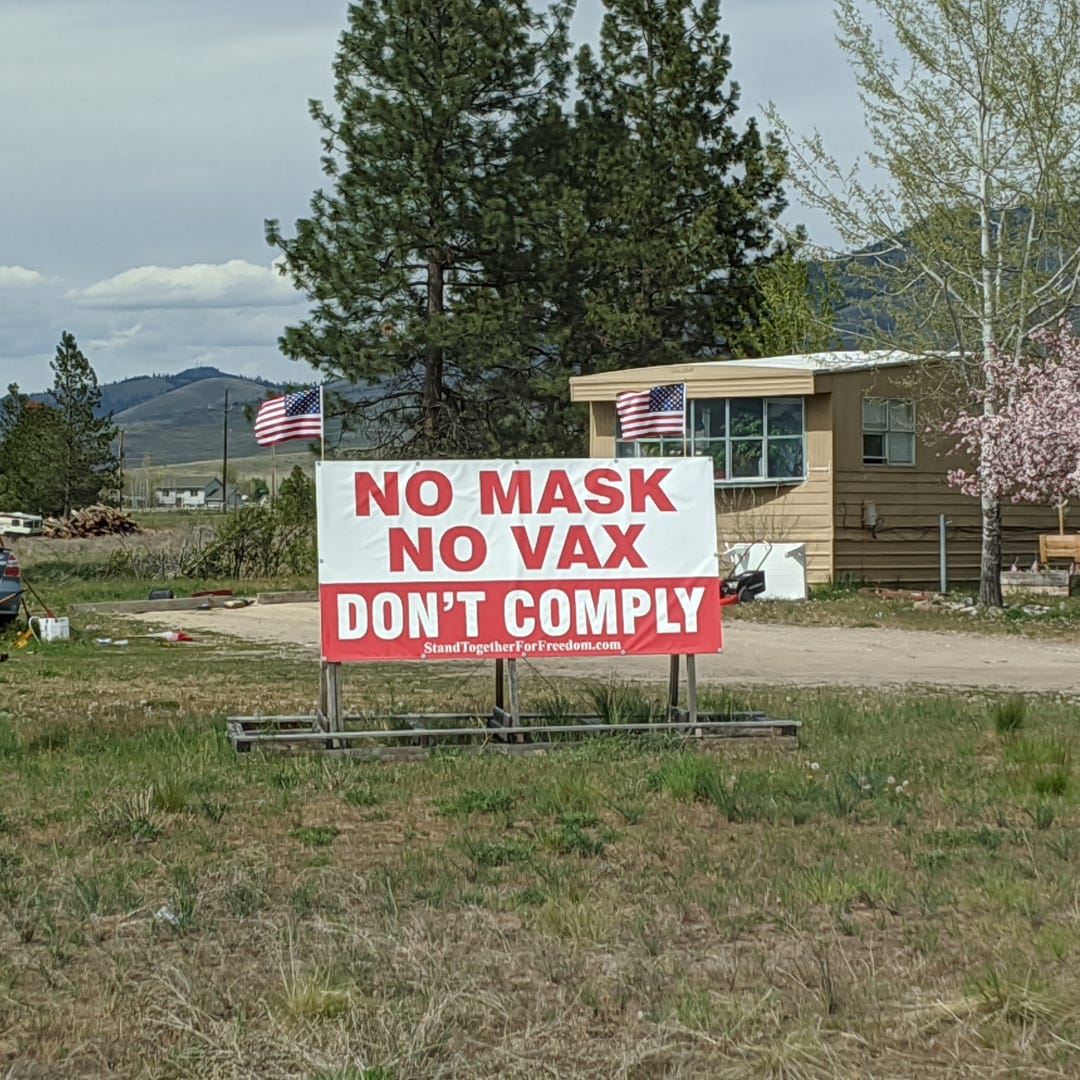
459	559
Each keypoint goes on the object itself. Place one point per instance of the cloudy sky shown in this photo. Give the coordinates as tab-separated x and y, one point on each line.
143	145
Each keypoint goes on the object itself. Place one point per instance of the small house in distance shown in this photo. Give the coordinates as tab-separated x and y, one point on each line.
826	450
194	493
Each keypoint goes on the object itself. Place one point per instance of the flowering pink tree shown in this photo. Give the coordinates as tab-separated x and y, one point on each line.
1023	430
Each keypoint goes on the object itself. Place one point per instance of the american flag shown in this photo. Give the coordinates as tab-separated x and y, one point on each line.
291	416
646	413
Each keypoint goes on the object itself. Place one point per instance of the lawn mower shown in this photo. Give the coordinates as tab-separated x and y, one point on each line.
743	586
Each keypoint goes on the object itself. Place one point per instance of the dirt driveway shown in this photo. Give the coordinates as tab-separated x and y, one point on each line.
753	653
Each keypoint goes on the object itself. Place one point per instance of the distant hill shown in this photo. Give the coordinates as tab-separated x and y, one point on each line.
120	396
185	422
174	418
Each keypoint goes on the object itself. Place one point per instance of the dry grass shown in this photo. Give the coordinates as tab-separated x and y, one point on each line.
895	899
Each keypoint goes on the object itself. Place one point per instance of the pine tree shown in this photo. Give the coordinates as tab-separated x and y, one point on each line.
31	442
424	257
85	465
676	206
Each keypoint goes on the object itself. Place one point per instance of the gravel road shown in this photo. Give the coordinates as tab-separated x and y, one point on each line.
753	653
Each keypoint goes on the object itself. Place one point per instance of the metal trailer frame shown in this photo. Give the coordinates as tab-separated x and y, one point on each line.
507	731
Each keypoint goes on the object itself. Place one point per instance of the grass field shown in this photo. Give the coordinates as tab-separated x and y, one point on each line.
898	897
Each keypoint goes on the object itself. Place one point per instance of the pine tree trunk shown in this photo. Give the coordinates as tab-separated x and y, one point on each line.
431	399
990	563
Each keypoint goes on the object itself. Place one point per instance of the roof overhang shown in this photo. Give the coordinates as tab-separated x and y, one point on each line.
702	381
770	377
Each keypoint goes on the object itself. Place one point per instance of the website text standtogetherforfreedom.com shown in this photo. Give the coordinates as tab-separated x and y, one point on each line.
526	648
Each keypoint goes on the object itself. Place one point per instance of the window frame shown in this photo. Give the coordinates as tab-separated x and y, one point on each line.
673	446
888	431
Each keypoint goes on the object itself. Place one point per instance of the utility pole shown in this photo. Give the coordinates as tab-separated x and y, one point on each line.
120	461
225	455
225	450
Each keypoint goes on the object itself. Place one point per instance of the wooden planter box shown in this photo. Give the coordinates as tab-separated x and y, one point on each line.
1056	546
1044	582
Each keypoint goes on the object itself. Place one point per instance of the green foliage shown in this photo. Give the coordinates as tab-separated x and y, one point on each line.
836	588
622	703
794	310
471	801
295	500
263	540
577	835
675	206
30	438
488	854
315	835
57	456
691	777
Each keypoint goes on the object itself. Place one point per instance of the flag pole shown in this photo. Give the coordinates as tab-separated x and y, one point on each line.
686	423
273	472
322	426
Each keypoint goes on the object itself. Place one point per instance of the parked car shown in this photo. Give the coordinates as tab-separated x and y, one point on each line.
11	588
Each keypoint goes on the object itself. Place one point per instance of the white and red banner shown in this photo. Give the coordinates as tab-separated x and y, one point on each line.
459	559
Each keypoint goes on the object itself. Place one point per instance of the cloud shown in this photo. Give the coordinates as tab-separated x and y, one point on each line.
233	284
18	277
116	338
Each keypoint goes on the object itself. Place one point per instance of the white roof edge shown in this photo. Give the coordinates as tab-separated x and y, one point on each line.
824	362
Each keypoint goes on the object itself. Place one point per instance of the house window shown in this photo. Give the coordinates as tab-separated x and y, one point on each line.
750	440
888	426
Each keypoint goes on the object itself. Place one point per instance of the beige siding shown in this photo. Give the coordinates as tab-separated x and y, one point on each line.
602	429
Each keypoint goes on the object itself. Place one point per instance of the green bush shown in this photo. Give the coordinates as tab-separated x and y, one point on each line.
265	540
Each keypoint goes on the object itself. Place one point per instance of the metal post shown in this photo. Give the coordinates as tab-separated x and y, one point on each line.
941	555
499	684
324	693
673	685
334	710
691	687
515	701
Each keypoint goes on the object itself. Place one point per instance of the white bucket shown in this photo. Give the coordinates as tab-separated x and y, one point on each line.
51	629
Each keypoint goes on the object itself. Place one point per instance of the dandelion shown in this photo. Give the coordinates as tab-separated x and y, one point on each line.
814	766
890	780
906	782
900	789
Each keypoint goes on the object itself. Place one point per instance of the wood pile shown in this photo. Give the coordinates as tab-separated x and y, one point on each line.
92	521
